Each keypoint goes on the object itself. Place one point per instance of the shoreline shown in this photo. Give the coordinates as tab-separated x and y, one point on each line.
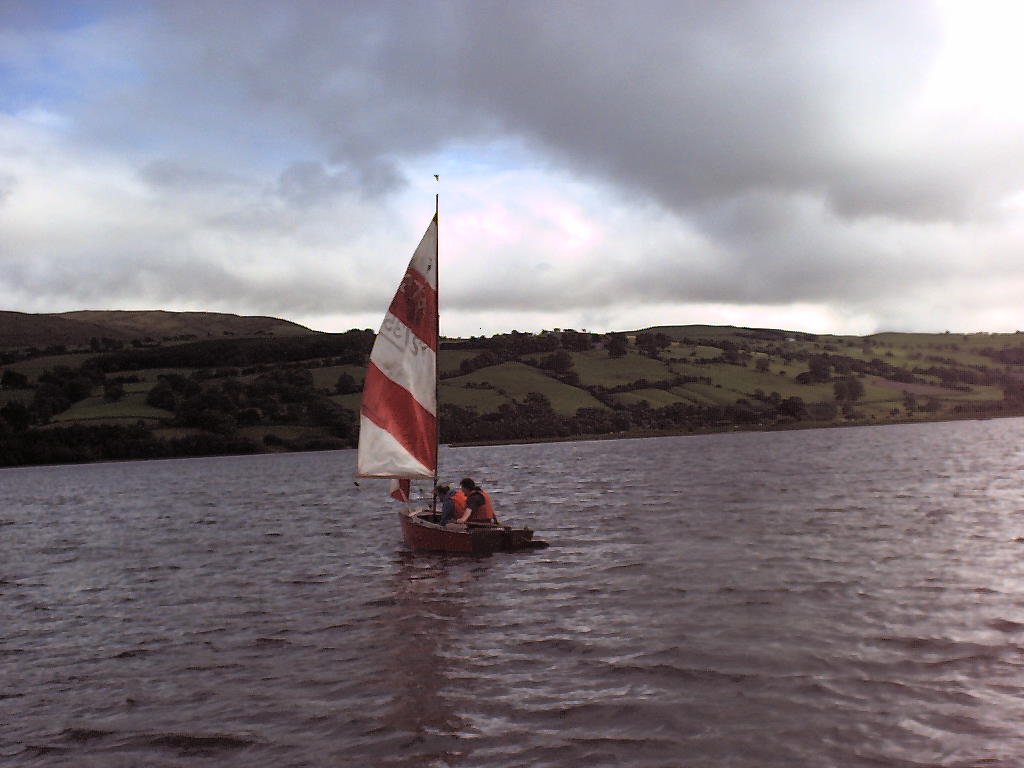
627	435
729	429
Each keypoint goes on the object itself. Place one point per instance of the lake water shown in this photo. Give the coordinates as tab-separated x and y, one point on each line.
846	597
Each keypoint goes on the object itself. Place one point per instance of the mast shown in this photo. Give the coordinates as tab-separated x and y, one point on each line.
437	335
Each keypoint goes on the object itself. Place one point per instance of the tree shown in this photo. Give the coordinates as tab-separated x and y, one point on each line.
48	400
346	385
651	344
75	385
909	402
617	345
340	421
113	391
483	360
211	421
162	395
559	362
818	367
731	353
1013	391
13	380
793	407
822	411
17	415
594	421
575	341
848	389
248	417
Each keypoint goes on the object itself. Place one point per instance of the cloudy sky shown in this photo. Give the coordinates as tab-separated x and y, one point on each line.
834	167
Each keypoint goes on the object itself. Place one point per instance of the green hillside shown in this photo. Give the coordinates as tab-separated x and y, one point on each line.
515	381
297	391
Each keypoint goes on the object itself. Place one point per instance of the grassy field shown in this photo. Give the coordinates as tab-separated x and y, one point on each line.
517	380
449	360
350	401
681	353
596	368
481	400
707	394
35	366
656	398
132	407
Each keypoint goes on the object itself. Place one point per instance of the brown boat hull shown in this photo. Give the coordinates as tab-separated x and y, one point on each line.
421	532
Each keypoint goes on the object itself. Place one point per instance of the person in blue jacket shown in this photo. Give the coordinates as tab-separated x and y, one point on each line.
451	508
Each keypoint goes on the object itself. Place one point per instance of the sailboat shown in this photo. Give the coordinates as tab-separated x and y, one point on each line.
398	418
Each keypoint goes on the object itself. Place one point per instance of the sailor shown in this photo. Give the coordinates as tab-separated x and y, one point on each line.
453	503
479	507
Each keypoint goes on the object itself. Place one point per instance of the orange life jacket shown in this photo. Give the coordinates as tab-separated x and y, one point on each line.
459	500
486	512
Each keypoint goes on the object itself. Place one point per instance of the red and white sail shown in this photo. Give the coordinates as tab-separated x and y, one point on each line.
398	417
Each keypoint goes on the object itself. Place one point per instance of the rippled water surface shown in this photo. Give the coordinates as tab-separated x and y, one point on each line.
823	598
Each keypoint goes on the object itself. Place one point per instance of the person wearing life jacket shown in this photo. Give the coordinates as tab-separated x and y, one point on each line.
453	503
479	507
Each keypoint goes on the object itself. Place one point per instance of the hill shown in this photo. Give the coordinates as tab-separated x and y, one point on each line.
202	383
69	329
18	329
158	324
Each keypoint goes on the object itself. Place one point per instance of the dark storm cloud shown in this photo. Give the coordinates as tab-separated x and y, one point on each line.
699	106
311	183
687	102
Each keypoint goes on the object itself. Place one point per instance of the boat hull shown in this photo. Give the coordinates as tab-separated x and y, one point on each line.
421	532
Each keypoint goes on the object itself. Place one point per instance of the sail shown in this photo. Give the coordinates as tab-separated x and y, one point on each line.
398	416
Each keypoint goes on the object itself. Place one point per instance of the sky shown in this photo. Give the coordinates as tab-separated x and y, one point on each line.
828	166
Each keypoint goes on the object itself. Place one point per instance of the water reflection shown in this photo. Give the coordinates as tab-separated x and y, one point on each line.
424	641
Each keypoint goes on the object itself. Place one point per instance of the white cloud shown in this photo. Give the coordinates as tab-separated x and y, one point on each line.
849	168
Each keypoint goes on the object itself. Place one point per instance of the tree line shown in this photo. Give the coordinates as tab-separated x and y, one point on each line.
535	418
77	444
241	384
216	401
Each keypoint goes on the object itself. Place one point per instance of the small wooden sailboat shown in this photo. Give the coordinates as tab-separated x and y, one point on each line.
398	425
422	531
